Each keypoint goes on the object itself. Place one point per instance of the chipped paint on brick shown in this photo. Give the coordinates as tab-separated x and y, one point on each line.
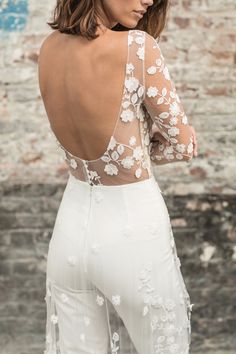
13	15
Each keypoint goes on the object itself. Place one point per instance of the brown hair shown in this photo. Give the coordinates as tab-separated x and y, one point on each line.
79	17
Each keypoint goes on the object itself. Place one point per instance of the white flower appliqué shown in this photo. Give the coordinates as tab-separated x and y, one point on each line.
127	115
140	53
111	169
139	40
71	260
114	346
64	297
132	140
138	173
54	319
73	163
152	91
99	300
138	153
129	68
131	84
127	162
152	70
116	300
130	39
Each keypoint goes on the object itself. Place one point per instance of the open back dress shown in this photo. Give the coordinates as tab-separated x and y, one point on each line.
113	282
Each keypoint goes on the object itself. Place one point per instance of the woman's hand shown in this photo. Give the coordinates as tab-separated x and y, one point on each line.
157	137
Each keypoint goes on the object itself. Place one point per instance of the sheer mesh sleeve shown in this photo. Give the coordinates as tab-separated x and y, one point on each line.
165	108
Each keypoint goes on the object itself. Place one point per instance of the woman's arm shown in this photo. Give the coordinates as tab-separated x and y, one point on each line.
165	108
157	139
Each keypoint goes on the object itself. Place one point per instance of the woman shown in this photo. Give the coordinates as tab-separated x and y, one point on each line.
113	275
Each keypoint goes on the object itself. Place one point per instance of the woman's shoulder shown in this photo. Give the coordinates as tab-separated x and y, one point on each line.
48	40
140	36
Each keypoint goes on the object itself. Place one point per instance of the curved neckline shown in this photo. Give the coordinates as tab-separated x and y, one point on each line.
117	119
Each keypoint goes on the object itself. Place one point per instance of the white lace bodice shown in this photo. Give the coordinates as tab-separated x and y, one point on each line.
149	96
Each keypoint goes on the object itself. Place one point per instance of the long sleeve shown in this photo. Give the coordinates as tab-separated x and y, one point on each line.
165	108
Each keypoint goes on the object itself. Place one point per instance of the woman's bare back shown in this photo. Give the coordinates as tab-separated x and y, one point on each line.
81	84
102	98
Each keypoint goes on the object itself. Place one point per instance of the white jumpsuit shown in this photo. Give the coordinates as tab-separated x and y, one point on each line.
113	281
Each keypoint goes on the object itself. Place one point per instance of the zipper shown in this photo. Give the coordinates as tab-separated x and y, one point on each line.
86	229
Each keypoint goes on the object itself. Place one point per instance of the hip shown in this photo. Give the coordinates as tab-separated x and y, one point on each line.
135	209
142	195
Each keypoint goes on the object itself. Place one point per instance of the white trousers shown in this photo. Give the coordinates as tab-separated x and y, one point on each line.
113	281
